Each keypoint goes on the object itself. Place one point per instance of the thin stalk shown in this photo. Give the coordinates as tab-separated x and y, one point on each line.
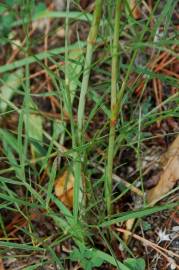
68	107
113	120
81	107
67	95
91	41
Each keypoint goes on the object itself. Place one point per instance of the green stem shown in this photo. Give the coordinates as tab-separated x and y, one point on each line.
67	94
91	41
114	79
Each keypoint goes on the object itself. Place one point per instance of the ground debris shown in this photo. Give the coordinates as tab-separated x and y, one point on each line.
170	174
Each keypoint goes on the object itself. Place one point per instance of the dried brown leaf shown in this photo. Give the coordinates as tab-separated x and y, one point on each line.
129	226
64	188
1	265
169	175
171	152
136	12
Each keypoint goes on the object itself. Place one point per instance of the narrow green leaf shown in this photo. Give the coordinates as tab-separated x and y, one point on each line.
38	57
74	69
35	129
26	247
138	214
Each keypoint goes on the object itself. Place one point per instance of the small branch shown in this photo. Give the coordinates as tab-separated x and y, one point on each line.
118	179
156	247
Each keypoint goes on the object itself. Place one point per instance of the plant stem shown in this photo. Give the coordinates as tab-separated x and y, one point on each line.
87	66
114	79
67	94
81	107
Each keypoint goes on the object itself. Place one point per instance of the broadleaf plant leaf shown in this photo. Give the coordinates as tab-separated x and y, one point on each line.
10	85
135	264
35	129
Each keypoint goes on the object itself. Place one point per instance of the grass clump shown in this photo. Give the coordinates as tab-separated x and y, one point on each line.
90	89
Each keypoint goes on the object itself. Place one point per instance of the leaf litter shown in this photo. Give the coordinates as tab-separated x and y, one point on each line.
64	188
169	174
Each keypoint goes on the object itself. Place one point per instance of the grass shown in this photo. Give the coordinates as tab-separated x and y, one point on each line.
86	106
115	107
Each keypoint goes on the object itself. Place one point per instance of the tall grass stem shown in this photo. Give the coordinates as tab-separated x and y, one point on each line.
91	41
114	107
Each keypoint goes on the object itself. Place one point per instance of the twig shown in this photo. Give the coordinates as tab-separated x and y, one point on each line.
17	50
118	179
159	249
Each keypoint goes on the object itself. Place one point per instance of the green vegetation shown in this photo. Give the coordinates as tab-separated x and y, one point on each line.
85	100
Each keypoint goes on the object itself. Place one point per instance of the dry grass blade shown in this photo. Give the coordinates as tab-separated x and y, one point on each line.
170	174
118	179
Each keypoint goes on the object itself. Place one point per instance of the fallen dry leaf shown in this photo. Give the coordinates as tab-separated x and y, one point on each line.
169	175
129	226
171	152
1	265
136	12
64	188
